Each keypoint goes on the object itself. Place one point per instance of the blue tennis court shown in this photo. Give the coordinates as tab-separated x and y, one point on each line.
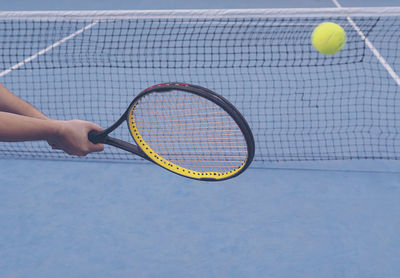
132	219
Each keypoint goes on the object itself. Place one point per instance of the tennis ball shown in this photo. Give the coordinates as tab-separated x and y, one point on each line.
328	38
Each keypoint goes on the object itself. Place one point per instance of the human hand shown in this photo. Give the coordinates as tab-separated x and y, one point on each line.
72	138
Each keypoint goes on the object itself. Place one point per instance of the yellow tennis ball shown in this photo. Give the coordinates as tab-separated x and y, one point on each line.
328	38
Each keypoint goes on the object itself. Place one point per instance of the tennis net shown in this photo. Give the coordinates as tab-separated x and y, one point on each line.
300	104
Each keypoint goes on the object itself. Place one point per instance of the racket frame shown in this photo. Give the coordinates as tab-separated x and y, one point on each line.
103	137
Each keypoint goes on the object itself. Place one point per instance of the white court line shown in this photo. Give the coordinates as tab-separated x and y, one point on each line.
47	49
382	60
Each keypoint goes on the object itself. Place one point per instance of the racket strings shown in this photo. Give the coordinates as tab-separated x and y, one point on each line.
190	131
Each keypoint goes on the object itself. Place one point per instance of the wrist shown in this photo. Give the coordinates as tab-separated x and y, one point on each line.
55	129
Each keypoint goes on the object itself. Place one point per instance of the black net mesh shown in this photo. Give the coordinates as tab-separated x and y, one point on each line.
300	104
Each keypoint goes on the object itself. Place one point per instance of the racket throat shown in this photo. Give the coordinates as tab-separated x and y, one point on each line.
125	146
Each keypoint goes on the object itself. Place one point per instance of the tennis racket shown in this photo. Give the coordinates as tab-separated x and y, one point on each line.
186	129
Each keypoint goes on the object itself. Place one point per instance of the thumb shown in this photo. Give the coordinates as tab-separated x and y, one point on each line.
93	126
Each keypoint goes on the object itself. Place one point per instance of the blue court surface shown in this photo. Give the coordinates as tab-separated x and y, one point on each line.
99	219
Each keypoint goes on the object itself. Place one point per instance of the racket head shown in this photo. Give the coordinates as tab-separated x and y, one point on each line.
191	131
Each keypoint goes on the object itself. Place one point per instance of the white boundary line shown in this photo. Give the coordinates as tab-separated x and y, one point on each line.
380	58
47	49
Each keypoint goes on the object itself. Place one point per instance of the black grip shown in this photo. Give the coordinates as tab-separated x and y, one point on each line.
96	136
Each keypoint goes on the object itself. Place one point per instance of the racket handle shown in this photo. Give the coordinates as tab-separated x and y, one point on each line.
96	137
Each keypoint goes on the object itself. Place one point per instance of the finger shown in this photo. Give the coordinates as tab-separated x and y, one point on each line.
97	147
93	126
69	152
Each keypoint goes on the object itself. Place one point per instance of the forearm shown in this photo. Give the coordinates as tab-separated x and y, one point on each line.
15	128
13	104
